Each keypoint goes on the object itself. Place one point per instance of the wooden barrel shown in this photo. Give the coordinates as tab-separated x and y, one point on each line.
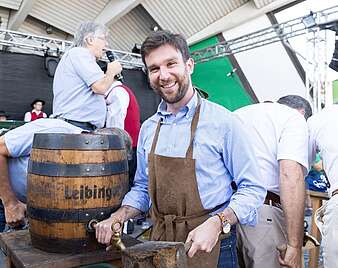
72	179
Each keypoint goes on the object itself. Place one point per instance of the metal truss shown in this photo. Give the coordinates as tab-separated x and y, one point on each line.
318	88
127	59
275	33
23	42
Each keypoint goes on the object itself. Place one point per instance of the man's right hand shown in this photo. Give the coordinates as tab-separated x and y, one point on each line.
113	68
15	213
103	229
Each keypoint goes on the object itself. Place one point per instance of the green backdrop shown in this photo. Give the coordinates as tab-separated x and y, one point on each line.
212	77
335	91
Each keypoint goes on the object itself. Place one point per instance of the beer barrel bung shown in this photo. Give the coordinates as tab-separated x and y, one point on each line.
72	179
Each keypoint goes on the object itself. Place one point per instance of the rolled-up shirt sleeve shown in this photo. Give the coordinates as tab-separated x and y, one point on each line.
240	160
84	63
138	196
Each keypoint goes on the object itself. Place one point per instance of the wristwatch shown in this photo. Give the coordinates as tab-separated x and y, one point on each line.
225	224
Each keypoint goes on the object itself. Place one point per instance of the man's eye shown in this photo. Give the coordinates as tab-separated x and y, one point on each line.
153	70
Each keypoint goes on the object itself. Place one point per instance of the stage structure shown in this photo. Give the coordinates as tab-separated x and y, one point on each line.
24	56
27	43
311	26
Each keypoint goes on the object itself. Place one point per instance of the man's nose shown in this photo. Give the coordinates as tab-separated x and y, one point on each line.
164	73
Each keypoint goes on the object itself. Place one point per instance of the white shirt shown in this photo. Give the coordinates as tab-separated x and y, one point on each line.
28	116
278	132
117	100
323	130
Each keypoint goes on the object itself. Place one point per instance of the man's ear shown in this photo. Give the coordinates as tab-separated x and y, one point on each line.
89	40
190	65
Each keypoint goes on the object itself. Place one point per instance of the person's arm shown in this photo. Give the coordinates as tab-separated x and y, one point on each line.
44	115
292	154
205	236
136	201
292	193
28	117
102	85
240	161
88	70
238	158
14	209
104	228
117	105
123	99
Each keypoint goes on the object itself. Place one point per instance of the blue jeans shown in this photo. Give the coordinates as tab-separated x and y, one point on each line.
228	253
2	217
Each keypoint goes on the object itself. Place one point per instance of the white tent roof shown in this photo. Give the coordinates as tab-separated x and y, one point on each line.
130	21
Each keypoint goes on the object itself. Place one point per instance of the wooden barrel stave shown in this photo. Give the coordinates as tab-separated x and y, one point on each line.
68	187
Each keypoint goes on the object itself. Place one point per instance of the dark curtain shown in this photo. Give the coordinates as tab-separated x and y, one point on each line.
23	78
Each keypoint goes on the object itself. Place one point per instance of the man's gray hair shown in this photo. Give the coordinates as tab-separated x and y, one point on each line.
297	102
88	29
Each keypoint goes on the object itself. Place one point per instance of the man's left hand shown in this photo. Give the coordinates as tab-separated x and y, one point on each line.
291	257
204	237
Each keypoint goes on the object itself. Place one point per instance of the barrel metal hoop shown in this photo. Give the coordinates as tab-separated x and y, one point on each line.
70	215
77	170
61	141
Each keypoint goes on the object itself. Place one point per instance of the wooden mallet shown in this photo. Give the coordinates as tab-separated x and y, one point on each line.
156	254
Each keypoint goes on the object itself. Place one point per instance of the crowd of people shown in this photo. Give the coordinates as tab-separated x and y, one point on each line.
229	183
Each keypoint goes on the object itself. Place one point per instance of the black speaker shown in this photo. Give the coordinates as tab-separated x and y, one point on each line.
50	65
334	62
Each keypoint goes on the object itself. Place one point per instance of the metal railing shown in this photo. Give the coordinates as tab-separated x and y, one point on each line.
29	43
275	33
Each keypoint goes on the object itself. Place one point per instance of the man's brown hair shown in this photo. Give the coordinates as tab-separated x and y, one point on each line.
160	38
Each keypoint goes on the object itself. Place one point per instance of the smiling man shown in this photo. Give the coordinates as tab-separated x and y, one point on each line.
188	155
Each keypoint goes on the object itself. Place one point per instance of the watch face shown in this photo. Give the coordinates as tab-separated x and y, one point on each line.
226	228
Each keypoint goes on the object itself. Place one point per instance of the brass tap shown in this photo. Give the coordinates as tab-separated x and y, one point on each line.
116	240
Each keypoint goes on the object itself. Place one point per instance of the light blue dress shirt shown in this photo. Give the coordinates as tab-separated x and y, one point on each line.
73	97
222	151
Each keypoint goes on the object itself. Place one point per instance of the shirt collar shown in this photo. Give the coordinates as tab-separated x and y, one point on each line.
187	109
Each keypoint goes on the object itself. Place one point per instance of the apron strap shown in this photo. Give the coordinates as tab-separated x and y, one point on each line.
153	146
193	128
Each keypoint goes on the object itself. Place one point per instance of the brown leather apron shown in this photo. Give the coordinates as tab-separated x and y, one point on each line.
176	205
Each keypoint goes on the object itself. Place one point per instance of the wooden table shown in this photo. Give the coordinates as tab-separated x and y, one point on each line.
317	201
20	253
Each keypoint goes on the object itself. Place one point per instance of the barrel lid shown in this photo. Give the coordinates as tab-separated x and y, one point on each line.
83	141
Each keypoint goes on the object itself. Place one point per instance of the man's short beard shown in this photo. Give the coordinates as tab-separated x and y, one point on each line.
179	96
182	91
